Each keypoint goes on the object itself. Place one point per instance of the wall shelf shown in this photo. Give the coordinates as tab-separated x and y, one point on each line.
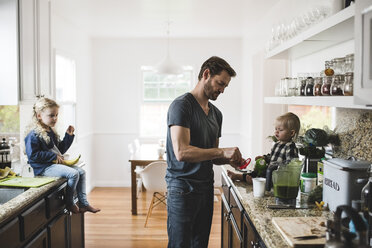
335	29
331	101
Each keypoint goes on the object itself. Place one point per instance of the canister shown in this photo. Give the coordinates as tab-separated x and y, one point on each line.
308	182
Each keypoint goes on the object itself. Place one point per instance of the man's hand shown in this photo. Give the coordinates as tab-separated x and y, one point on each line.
233	155
70	130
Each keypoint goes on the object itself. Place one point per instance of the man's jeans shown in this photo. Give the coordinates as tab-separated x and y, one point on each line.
189	216
75	181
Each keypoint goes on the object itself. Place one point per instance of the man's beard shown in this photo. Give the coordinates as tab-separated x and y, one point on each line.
208	91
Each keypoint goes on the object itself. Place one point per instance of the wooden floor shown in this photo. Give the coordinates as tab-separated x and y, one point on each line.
115	226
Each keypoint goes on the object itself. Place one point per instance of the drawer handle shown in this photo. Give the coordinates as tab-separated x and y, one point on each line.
255	244
61	197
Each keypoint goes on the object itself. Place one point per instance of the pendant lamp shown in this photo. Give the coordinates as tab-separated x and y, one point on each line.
168	66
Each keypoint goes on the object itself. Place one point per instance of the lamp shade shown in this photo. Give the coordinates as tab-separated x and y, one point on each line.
168	66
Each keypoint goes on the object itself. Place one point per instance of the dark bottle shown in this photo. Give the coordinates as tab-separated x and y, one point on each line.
317	86
302	87
336	86
309	88
326	87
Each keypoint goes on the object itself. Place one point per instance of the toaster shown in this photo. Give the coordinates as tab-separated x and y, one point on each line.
343	181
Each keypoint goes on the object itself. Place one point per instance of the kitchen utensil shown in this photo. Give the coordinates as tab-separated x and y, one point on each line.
309	237
286	181
343	181
27	182
292	227
334	238
5	158
245	164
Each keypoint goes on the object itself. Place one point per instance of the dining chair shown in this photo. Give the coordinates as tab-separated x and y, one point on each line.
153	178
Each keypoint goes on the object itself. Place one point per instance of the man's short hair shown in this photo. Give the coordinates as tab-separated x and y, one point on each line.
216	65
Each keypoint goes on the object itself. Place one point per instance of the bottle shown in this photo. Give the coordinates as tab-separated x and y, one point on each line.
349	63
348	85
339	66
302	87
317	86
309	88
328	71
336	86
326	87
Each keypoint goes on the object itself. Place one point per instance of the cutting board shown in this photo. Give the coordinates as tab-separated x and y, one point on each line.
290	227
27	182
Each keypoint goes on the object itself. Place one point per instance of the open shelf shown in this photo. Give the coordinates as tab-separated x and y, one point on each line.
331	101
335	29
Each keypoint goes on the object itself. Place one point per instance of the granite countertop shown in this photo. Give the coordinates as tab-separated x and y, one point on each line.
261	216
16	204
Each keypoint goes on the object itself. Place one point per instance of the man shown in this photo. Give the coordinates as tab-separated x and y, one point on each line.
194	128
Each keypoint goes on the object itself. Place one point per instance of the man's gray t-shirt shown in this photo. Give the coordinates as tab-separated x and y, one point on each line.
205	129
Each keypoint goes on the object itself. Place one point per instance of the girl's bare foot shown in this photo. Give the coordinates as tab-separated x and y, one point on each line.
89	208
235	176
74	209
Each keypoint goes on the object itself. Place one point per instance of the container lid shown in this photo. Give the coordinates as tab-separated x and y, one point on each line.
348	164
308	175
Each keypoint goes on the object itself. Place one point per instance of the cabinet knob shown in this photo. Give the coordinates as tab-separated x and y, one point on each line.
61	197
255	244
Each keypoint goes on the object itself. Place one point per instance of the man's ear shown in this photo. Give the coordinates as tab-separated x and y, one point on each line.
206	74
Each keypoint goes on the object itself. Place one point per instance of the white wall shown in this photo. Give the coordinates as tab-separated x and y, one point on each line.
70	41
117	94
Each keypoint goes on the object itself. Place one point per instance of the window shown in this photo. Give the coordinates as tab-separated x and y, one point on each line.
158	92
9	119
65	91
314	116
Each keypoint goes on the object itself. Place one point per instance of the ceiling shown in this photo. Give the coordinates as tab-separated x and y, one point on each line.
148	18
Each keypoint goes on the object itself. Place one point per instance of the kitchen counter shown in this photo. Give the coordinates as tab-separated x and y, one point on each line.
261	216
13	206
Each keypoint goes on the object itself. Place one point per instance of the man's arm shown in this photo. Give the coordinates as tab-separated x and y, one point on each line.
188	153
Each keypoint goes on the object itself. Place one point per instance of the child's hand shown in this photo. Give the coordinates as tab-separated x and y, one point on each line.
59	159
70	130
258	157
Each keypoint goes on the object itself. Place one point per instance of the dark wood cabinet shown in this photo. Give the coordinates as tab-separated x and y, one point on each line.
237	230
44	223
76	224
58	231
10	236
40	241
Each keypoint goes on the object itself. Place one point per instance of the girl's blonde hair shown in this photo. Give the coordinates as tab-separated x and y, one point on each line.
290	121
40	105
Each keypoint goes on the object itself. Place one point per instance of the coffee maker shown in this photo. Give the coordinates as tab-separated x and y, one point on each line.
5	157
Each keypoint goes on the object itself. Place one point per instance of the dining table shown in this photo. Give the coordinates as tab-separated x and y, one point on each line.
146	154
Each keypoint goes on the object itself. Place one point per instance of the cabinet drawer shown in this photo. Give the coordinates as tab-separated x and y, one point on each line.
10	234
236	209
32	219
57	232
40	241
225	186
55	202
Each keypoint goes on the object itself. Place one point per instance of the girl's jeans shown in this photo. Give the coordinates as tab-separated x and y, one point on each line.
75	181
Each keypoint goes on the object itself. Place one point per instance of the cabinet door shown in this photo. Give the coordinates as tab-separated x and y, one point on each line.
58	232
28	50
250	238
363	53
225	223
56	202
44	48
40	241
33	219
236	238
77	231
10	235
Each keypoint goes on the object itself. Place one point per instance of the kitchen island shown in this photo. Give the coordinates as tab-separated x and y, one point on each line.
38	218
246	220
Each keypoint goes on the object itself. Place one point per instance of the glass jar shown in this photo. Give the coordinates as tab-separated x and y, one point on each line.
317	86
337	84
309	88
339	66
326	86
302	87
328	68
348	85
349	63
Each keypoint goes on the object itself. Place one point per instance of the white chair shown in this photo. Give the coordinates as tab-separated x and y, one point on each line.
153	179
